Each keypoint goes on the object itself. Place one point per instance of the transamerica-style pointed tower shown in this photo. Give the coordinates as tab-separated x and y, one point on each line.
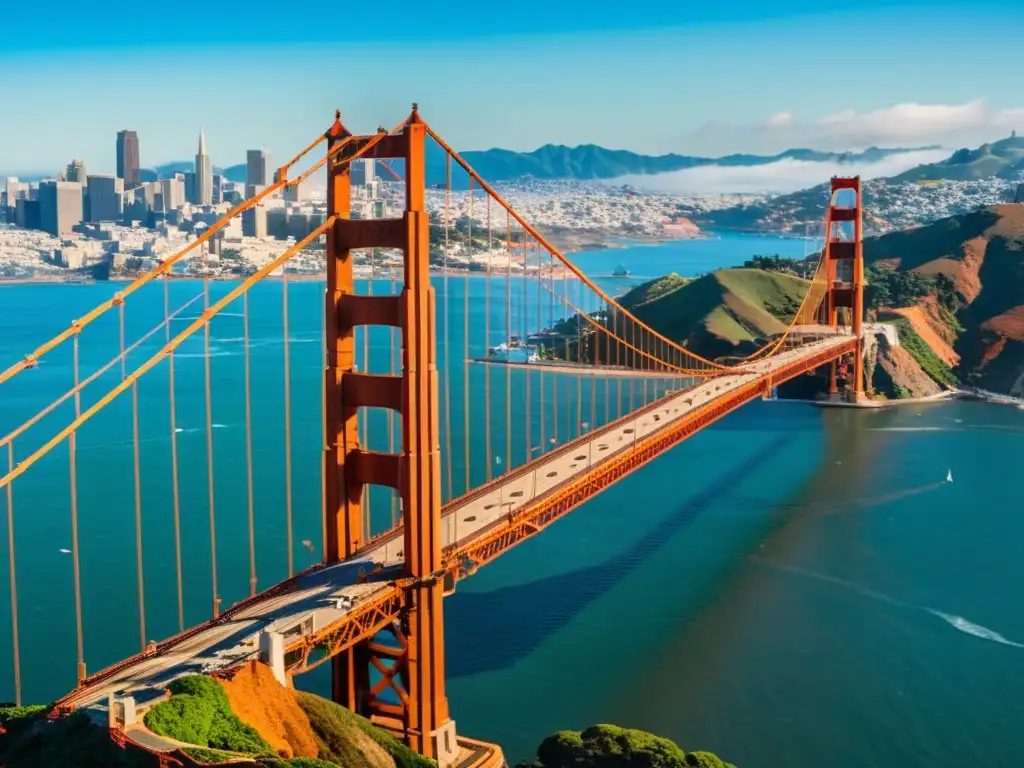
204	173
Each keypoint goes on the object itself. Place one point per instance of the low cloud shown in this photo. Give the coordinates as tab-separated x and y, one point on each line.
900	125
782	176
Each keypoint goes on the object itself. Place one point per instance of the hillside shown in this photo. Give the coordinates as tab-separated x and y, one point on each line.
981	254
1001	158
248	718
723	313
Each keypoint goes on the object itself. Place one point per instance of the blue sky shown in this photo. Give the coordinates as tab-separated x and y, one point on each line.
653	77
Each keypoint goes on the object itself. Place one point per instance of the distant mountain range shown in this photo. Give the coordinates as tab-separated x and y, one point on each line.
1004	158
556	161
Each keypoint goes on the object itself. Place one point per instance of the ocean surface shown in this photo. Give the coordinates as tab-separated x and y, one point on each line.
792	587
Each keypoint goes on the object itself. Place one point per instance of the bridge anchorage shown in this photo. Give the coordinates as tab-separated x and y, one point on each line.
591	393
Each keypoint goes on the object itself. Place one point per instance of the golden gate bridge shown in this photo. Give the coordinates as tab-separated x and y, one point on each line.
372	606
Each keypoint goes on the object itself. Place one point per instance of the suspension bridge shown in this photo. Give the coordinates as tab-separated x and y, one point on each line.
409	438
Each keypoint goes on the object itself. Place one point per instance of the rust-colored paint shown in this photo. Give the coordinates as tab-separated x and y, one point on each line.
427	708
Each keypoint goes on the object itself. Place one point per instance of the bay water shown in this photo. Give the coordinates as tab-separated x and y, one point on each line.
792	587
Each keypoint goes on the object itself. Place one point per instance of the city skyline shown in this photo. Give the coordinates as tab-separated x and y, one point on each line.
704	84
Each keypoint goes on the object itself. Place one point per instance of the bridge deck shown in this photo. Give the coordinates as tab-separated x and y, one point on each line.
307	605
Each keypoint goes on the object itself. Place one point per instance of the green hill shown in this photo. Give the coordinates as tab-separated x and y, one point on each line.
723	313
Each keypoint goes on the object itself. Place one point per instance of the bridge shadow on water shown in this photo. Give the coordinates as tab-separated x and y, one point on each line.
492	630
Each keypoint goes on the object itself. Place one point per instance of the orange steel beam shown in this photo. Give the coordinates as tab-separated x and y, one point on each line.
427	719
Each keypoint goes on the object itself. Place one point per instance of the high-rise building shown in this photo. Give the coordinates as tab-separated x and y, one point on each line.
362	172
255	170
106	198
60	206
254	222
204	175
189	181
173	193
128	158
218	189
75	171
291	194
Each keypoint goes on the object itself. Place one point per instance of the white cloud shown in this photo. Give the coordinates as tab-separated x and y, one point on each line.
783	176
900	125
919	123
779	120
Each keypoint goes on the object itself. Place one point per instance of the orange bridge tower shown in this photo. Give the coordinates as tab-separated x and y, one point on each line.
844	260
412	669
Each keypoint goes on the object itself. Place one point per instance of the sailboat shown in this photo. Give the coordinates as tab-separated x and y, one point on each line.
949	475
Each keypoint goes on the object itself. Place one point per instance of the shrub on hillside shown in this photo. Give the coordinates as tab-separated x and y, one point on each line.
608	746
198	713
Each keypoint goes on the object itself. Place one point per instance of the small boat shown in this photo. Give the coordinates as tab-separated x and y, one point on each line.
949	476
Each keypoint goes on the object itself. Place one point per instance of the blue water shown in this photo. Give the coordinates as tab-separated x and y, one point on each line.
792	587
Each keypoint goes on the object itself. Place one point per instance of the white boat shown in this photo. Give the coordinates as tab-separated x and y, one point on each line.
949	476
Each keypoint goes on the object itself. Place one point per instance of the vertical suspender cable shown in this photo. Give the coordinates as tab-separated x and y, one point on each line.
391	412
487	346
579	376
209	440
72	441
465	340
15	643
287	423
447	323
137	473
248	443
508	338
174	456
138	517
365	437
540	373
524	344
550	324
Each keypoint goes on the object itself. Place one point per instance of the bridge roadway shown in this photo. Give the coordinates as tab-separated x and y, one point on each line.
305	608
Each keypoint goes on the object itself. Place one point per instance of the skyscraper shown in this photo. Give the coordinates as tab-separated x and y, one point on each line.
60	206
128	158
204	175
75	171
255	170
106	200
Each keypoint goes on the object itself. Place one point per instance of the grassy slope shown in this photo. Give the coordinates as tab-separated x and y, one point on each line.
727	311
339	730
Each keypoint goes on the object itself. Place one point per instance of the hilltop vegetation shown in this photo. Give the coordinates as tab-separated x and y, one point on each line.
722	313
608	746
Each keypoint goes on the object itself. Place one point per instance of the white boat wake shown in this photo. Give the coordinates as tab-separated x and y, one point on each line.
957	622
